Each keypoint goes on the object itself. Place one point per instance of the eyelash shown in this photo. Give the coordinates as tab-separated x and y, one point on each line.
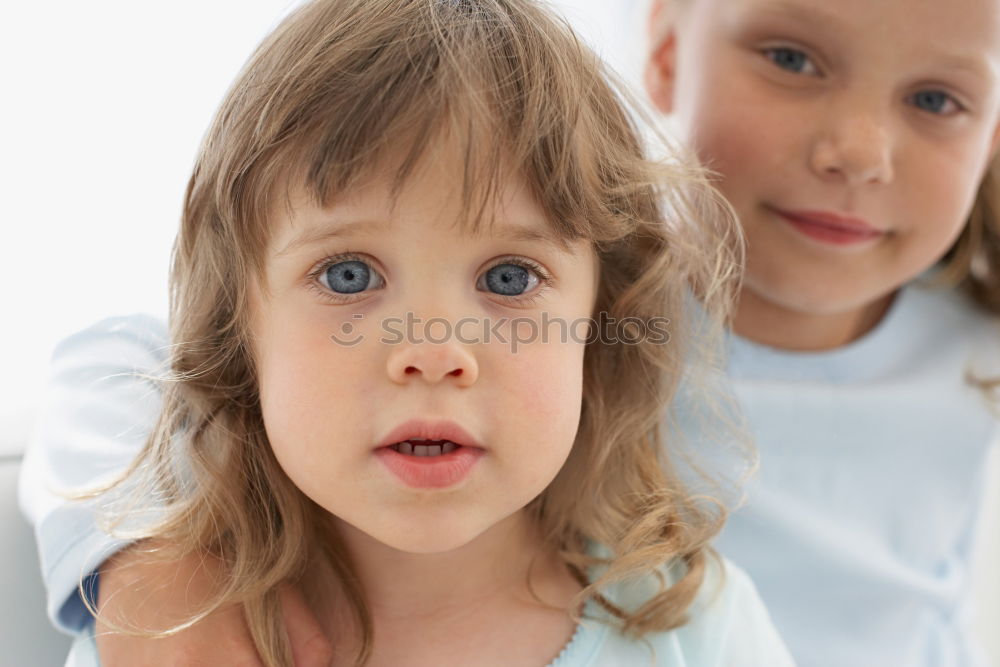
958	105
770	51
544	280
773	50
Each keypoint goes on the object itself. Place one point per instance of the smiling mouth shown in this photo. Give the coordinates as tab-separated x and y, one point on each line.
831	228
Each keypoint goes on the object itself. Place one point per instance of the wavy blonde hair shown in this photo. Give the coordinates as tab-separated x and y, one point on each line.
971	264
335	89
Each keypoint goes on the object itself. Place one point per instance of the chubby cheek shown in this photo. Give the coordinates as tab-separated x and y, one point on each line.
308	403
741	158
733	160
544	411
943	219
937	207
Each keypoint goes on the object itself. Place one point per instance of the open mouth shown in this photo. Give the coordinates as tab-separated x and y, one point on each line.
425	453
421	447
429	463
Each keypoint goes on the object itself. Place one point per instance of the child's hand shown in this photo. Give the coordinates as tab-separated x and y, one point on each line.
133	593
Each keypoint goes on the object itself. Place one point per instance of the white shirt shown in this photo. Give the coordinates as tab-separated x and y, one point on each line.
859	527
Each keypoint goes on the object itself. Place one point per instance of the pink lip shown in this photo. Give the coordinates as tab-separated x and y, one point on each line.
429	430
831	227
430	471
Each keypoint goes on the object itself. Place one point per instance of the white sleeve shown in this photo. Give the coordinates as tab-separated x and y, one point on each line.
730	626
93	420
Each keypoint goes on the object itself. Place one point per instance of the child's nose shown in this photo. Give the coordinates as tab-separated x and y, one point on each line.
432	362
855	147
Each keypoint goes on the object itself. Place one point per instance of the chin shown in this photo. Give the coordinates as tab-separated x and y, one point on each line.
430	540
429	533
820	298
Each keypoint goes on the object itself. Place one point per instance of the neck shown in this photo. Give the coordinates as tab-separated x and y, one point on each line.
482	582
494	566
768	323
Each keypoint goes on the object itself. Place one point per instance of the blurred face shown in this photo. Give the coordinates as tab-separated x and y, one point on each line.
851	136
420	439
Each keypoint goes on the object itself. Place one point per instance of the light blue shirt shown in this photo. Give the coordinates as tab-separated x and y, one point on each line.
859	526
96	417
728	627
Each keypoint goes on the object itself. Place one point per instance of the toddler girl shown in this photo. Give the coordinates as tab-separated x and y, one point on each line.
380	392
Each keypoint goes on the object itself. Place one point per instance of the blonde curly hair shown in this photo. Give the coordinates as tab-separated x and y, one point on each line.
338	86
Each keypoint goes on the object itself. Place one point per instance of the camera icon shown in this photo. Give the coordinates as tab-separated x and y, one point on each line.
347	337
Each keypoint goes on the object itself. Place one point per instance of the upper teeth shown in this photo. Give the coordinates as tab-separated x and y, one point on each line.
409	447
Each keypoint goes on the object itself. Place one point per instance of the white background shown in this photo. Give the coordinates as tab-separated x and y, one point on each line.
104	105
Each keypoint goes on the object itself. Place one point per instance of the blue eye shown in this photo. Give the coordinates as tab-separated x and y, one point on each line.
510	279
933	101
349	274
792	60
348	277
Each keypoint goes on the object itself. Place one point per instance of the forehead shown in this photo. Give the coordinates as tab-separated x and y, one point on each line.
473	165
430	195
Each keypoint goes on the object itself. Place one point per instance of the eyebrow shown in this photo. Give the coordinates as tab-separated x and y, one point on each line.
808	15
975	66
812	16
312	236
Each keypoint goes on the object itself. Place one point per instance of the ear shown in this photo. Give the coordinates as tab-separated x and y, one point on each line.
660	74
